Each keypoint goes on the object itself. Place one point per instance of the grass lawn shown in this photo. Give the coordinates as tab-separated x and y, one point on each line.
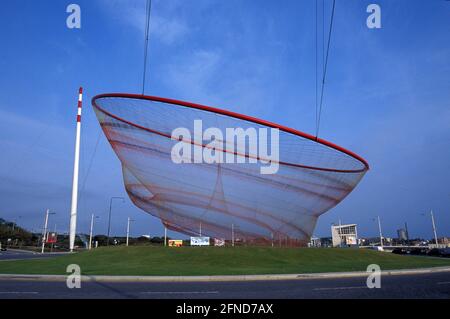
147	260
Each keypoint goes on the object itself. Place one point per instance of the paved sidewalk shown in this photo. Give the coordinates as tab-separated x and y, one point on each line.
224	278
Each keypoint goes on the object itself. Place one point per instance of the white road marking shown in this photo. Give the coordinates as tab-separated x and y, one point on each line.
179	292
444	283
341	288
18	292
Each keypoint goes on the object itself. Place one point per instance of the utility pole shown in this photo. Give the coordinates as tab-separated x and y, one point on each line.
165	235
91	232
53	244
109	218
200	233
128	229
434	227
73	210
232	235
44	235
379	229
406	229
15	222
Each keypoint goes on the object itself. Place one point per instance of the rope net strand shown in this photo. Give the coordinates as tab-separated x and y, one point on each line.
314	175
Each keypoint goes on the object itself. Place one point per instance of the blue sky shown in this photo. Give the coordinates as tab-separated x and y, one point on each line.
387	97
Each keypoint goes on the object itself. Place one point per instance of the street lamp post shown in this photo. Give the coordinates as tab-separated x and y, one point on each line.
128	229
379	231
109	218
232	235
44	236
92	228
15	222
381	234
434	227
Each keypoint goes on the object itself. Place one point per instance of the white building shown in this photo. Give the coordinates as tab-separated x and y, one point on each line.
344	235
315	242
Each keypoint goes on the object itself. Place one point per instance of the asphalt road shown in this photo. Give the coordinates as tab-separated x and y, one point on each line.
20	254
435	285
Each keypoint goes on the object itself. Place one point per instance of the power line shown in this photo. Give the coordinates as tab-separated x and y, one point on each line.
325	69
148	10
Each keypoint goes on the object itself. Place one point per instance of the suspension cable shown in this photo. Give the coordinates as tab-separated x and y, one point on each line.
148	11
316	60
323	33
325	69
91	161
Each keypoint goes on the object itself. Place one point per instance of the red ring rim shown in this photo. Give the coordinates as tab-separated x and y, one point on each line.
234	115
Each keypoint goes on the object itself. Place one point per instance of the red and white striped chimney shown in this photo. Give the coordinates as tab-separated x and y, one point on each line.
73	210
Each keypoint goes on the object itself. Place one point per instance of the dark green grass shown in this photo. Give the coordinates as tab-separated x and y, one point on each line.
217	261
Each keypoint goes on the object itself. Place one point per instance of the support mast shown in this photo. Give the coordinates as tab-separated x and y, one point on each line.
73	210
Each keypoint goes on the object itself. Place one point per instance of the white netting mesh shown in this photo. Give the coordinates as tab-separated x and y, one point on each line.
312	177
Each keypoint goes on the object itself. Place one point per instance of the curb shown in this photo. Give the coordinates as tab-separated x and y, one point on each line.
22	251
224	278
31	252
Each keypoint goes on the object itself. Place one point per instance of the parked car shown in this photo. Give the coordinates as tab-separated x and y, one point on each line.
418	251
445	252
439	252
399	251
434	252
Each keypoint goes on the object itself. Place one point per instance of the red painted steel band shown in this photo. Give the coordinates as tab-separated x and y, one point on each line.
235	115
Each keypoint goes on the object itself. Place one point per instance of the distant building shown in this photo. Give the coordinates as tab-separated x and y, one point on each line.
315	242
444	241
344	235
326	241
370	241
402	235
